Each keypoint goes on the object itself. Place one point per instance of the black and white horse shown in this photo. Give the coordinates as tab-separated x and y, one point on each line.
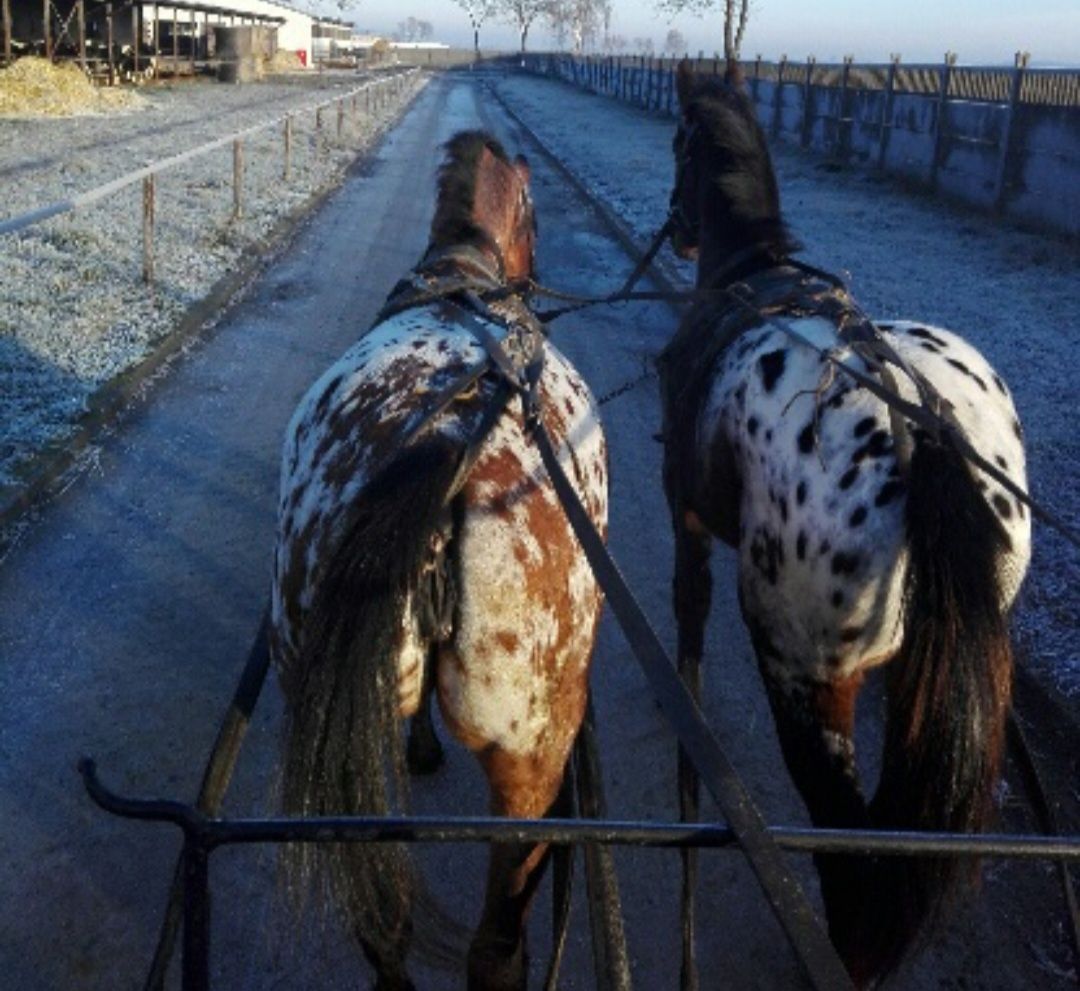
862	538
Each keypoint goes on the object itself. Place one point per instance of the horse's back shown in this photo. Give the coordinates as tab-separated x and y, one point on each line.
350	424
822	493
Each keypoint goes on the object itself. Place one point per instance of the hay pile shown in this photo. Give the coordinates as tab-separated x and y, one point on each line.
283	61
34	87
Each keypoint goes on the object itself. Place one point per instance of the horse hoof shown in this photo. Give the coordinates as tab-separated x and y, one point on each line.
423	758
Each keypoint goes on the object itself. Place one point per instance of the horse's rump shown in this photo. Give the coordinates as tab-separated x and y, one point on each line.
822	528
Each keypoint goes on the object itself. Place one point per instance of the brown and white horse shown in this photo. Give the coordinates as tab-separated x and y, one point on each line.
421	547
862	540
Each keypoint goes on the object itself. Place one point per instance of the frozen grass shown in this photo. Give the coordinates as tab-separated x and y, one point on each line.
74	311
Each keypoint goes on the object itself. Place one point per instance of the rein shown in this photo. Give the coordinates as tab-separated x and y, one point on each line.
867	340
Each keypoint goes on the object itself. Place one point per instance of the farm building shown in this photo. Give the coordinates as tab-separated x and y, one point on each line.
167	37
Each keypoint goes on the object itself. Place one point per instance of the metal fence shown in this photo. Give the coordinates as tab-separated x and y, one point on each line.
1002	139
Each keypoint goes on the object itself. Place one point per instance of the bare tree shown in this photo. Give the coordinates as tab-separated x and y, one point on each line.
412	29
580	20
477	12
736	14
644	46
522	14
674	43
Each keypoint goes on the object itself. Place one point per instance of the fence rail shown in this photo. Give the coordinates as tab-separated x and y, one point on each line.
1002	139
38	215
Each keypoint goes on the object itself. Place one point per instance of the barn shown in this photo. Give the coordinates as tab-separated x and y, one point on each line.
117	37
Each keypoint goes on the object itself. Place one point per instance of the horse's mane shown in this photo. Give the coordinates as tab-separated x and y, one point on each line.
739	162
453	222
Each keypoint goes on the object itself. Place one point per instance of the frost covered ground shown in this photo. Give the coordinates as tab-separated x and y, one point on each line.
74	311
1015	295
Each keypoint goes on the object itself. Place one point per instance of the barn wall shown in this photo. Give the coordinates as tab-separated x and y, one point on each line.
1021	158
294	35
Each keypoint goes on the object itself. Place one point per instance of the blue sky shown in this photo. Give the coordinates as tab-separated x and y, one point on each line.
980	31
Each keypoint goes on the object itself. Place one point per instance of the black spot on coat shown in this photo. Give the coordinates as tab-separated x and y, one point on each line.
771	367
864	426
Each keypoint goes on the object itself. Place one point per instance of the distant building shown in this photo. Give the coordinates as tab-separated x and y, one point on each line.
174	35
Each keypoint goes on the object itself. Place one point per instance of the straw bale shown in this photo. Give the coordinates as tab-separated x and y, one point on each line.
283	61
35	87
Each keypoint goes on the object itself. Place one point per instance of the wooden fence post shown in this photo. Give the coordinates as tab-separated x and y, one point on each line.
136	30
887	111
238	178
109	43
340	117
1007	140
80	13
287	171
148	229
778	97
47	25
939	118
807	120
6	14
844	120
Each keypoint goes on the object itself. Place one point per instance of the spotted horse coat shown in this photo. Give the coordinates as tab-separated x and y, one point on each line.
852	552
527	608
820	511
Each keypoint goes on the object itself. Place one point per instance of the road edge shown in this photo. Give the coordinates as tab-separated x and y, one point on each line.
52	469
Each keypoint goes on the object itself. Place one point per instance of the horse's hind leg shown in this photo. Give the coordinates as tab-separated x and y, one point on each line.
424	752
390	973
815	722
521	788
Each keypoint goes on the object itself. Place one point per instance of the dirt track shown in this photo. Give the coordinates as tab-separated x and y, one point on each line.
127	610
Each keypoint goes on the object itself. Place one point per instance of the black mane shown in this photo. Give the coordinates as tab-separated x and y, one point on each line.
453	223
739	166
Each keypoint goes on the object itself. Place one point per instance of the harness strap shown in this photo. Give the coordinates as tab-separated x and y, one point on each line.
782	890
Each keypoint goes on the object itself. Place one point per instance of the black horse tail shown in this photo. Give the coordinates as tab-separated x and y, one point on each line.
344	748
949	692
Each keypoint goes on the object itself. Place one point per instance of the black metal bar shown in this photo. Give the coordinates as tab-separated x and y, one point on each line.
196	962
435	829
816	954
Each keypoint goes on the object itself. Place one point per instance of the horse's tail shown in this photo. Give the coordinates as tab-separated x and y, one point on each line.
344	750
949	691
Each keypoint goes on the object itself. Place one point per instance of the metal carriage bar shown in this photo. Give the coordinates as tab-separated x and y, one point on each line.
203	834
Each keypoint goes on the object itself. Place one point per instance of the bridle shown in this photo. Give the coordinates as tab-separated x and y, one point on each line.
677	220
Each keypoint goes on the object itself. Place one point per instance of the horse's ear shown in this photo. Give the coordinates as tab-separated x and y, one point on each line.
684	82
521	167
